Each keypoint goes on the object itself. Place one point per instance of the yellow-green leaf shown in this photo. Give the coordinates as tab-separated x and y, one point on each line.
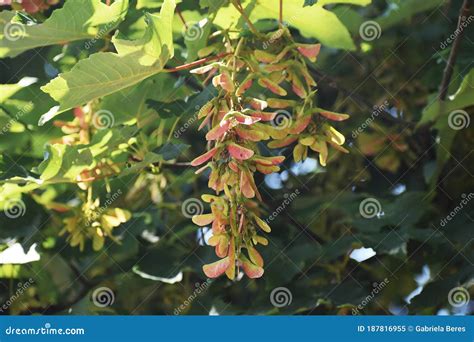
76	20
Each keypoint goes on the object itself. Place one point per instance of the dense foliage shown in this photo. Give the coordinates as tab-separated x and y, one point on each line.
134	134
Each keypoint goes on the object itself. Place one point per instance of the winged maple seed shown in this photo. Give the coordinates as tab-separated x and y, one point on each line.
238	122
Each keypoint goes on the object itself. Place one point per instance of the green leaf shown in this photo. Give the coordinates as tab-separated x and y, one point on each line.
398	10
107	140
195	38
394	212
464	97
129	104
77	20
446	137
213	5
9	168
157	42
314	22
8	90
63	162
150	158
26	105
171	150
105	73
151	3
166	110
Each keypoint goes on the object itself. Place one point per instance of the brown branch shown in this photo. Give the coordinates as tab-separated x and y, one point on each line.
448	71
239	8
182	19
198	62
281	12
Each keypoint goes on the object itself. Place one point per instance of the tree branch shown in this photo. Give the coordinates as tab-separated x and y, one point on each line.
448	71
281	12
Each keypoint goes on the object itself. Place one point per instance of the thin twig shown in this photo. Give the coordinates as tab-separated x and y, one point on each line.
182	19
198	62
448	71
281	12
239	8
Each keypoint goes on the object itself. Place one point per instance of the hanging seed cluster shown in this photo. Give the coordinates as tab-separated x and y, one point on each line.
240	123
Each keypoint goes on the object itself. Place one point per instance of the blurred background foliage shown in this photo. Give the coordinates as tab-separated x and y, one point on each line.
406	157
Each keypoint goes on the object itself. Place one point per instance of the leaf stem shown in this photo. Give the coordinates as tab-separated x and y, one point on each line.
173	128
182	18
198	62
